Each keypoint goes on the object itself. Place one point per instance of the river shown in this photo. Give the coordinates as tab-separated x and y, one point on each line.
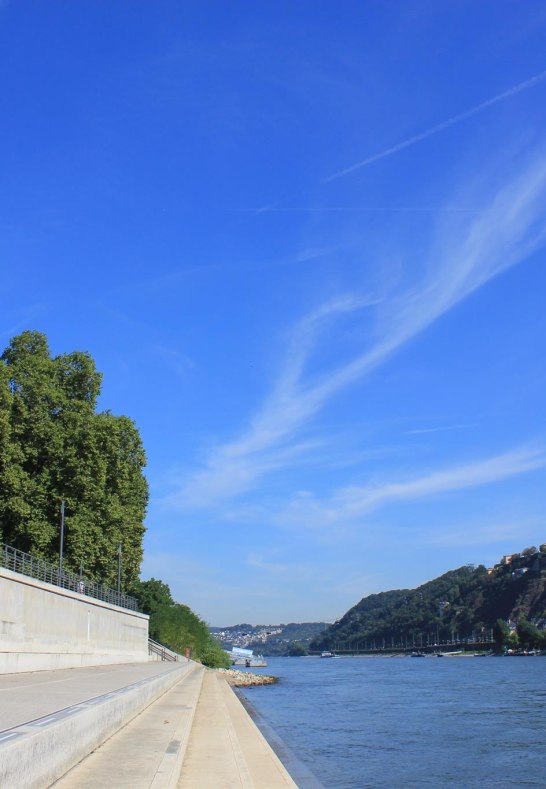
406	722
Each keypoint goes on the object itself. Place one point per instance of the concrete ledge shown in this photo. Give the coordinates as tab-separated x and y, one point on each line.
37	753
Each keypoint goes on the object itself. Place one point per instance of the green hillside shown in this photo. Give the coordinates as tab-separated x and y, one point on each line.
463	603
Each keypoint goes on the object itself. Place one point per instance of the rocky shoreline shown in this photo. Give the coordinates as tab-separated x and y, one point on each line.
244	679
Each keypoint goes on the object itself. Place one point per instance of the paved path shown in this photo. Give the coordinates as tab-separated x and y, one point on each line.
27	696
147	752
196	736
226	750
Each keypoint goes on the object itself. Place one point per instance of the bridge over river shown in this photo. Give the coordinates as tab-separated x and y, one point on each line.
361	647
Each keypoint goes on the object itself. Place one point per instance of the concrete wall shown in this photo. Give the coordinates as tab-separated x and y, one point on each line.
45	627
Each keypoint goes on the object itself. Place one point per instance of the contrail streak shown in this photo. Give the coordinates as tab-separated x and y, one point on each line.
439	127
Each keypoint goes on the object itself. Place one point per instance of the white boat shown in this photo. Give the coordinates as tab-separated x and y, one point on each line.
246	658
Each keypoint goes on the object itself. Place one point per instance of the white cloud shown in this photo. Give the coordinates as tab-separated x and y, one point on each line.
463	260
484	534
350	504
421	430
178	361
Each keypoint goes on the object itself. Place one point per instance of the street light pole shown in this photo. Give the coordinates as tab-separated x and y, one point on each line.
62	538
119	568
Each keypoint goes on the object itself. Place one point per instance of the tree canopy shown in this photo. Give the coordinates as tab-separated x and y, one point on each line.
55	446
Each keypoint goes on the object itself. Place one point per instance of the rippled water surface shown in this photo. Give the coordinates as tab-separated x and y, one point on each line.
403	722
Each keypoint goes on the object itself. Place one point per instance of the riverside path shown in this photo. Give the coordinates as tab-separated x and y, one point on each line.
148	725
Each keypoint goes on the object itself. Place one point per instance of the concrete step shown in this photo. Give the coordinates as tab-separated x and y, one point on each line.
56	718
226	750
147	753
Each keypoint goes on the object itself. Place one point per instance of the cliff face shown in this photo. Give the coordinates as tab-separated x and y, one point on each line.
460	603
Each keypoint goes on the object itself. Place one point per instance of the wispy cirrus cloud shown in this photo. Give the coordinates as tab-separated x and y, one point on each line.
351	503
440	429
178	361
484	534
463	259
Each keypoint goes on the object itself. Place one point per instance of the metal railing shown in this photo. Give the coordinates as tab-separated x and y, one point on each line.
26	564
154	648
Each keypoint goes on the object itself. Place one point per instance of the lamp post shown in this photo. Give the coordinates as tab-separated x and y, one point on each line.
62	539
119	569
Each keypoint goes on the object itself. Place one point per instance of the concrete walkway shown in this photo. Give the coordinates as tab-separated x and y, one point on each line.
51	720
26	697
148	751
195	735
226	750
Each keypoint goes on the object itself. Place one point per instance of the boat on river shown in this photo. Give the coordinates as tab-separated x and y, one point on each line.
246	658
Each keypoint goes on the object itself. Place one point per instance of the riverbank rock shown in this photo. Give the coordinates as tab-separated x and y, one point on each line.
245	679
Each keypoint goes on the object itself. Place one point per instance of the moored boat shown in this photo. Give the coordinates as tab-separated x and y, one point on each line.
246	658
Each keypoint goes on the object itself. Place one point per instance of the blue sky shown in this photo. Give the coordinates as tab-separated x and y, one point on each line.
305	244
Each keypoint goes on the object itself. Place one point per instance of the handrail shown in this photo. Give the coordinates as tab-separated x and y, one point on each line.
154	648
26	564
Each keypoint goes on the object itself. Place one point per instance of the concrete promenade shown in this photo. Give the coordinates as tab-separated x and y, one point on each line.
190	730
226	750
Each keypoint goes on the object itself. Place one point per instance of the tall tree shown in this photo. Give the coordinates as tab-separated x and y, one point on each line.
54	446
501	634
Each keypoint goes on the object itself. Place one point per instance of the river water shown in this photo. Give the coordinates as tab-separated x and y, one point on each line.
406	722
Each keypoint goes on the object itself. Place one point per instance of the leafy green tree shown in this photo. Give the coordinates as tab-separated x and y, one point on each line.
26	510
513	639
152	595
175	625
54	446
528	634
213	656
297	650
501	634
178	627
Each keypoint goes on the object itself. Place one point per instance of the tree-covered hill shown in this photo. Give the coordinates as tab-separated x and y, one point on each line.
460	604
55	446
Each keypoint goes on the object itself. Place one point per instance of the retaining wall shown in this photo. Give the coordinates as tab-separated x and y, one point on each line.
45	627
